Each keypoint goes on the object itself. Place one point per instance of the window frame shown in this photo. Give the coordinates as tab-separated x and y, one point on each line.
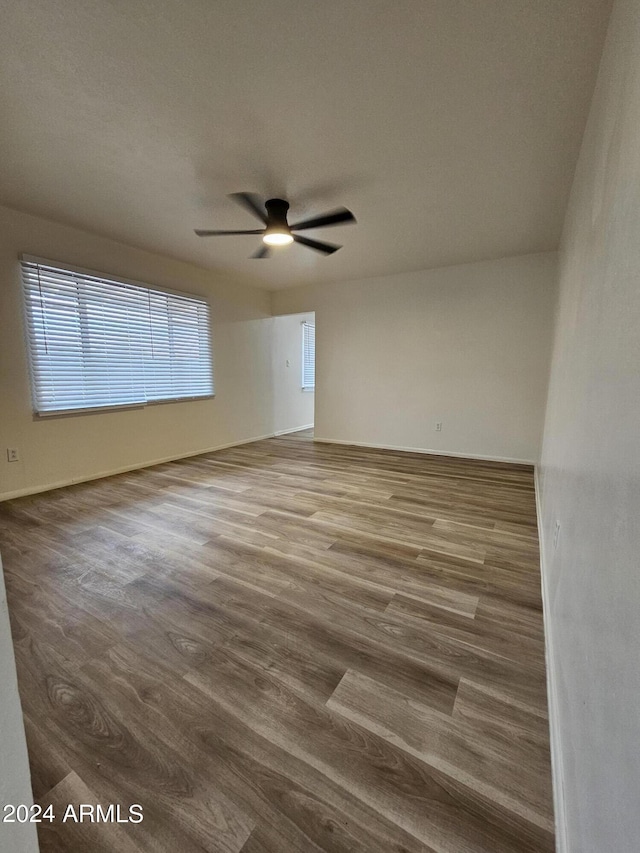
28	319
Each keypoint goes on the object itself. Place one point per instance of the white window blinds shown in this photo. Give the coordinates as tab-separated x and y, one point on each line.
96	342
308	355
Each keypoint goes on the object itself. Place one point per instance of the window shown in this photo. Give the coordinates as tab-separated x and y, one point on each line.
308	355
96	342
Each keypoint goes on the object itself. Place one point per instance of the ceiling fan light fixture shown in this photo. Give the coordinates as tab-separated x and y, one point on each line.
277	231
277	237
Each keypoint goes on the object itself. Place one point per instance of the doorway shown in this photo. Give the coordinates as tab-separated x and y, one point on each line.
293	368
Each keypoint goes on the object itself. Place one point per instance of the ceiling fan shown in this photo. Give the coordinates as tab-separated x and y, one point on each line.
277	231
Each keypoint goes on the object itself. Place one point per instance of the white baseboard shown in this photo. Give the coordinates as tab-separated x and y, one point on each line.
557	774
426	451
34	490
295	429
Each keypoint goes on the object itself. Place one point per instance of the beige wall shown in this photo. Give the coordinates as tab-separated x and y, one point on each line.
292	405
590	473
63	449
467	346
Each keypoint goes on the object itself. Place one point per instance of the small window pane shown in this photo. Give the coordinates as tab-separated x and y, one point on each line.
308	355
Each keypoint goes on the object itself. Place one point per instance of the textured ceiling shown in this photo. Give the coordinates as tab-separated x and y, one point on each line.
450	127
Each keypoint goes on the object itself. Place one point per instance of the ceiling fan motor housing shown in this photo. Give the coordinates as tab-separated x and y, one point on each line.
277	213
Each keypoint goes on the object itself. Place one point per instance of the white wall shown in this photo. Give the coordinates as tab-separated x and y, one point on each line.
292	404
468	346
15	781
59	450
590	472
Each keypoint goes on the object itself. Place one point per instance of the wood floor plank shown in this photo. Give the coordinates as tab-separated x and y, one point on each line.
48	762
121	758
477	633
493	761
296	806
383	777
484	706
367	568
286	647
445	653
348	648
57	837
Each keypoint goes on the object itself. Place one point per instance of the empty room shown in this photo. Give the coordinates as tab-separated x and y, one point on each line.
319	426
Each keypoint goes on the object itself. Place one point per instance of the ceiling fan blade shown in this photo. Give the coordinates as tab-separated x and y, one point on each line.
203	233
336	217
252	203
325	248
262	252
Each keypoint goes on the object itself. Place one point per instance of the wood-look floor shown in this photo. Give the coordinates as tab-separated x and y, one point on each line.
286	647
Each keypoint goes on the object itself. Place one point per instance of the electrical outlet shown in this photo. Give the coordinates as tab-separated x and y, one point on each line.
556	535
438	426
12	454
288	362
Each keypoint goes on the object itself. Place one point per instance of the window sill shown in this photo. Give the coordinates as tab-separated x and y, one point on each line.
98	410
